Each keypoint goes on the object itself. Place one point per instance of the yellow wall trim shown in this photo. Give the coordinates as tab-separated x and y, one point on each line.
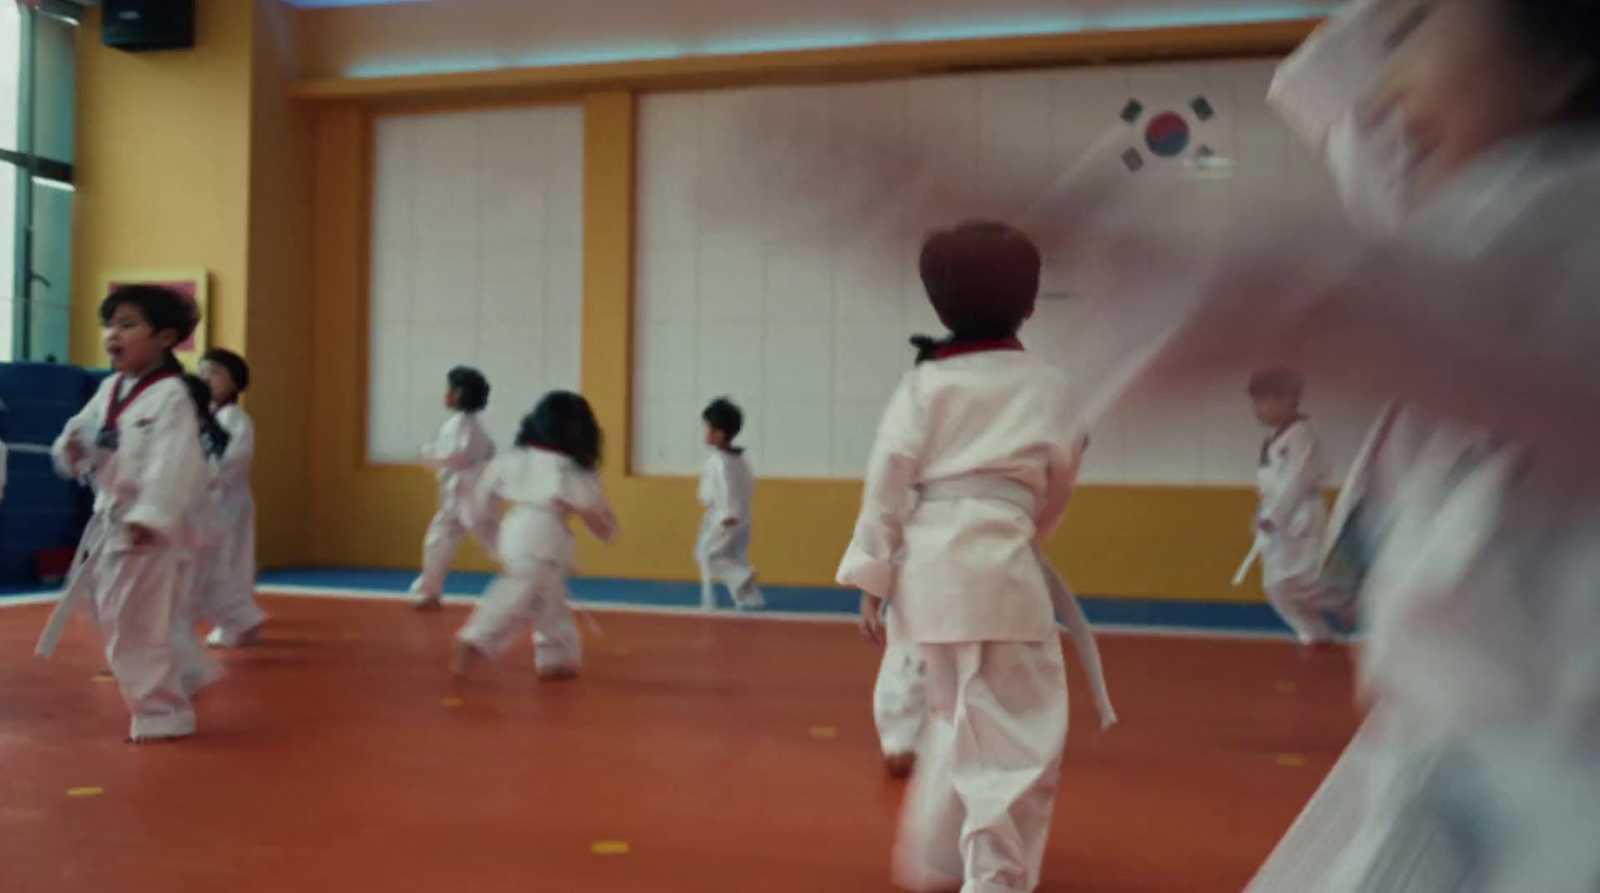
886	60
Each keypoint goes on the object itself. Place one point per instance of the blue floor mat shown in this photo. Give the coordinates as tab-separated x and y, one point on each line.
1152	613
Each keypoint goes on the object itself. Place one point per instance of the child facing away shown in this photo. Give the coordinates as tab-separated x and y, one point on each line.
138	442
228	602
974	464
548	478
1292	521
457	455
727	489
203	535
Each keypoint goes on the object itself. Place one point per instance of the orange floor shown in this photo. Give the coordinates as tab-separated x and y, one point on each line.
331	760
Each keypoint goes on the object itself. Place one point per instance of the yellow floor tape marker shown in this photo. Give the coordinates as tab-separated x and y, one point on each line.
824	732
103	677
351	636
451	702
1285	688
85	792
609	848
1290	759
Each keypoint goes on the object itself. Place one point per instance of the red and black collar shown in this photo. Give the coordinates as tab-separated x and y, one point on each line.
951	349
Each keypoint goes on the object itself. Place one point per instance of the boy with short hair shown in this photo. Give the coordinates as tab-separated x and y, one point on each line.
973	466
138	441
1292	522
727	489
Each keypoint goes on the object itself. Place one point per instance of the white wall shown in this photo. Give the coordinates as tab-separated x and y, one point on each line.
477	259
799	308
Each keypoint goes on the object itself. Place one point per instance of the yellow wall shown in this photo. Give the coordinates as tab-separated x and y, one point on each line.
163	149
278	342
189	160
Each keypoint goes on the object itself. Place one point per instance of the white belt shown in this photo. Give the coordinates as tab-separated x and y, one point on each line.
1003	489
993	488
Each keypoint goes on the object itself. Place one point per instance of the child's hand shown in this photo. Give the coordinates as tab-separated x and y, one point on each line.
76	451
872	618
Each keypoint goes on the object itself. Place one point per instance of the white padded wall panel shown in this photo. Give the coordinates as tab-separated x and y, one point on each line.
477	259
785	276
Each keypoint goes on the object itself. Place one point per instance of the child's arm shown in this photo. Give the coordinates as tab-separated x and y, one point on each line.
728	500
73	447
1064	467
585	497
887	496
1506	338
452	449
483	508
1304	469
174	467
234	463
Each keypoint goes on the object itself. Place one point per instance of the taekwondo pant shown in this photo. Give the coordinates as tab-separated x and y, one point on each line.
724	557
135	600
1292	575
439	546
534	595
978	813
899	705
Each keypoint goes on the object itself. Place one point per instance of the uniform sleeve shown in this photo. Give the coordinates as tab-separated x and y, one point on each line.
1065	462
453	448
887	496
1507	339
587	499
484	507
173	468
79	428
1304	470
235	462
728	499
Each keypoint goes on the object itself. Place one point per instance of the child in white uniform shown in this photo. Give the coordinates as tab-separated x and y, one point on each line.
202	536
549	477
973	466
229	600
727	489
457	455
139	441
1292	521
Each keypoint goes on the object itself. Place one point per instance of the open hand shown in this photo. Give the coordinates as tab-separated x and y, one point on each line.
872	618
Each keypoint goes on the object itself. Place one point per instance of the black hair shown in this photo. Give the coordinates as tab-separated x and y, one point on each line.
1566	32
982	278
562	422
163	308
472	389
724	415
213	437
238	369
1277	381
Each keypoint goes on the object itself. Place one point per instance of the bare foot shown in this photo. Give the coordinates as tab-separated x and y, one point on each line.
899	765
430	603
558	674
462	657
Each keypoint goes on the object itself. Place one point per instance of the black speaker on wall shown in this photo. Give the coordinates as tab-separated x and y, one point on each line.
146	25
